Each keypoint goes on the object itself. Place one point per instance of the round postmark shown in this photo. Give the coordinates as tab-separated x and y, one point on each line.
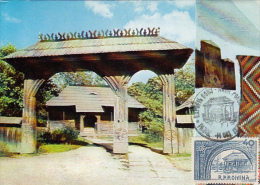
216	113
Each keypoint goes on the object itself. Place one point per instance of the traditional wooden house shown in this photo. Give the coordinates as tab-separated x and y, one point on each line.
236	162
89	109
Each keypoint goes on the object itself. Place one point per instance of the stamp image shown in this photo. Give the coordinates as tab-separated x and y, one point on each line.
216	113
233	161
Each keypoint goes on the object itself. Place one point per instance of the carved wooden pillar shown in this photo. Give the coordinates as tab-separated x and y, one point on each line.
120	126
29	132
170	136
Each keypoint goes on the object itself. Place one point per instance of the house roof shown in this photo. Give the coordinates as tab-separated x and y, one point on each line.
188	103
89	99
10	120
235	156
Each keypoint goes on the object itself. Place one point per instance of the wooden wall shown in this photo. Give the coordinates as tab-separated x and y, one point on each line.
10	139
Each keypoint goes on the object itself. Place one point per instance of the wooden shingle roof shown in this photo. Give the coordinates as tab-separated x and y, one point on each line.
110	53
89	99
93	46
188	103
10	120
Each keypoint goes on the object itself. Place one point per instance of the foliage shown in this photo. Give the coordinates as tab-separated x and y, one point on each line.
87	78
6	50
64	135
150	95
184	83
11	85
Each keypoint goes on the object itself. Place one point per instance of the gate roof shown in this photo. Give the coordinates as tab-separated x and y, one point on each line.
119	53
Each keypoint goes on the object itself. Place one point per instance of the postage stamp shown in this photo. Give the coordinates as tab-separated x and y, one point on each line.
233	161
216	113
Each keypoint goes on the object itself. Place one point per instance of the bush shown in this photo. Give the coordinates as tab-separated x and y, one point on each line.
154	132
64	135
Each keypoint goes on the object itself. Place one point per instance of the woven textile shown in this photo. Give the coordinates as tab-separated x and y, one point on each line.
249	123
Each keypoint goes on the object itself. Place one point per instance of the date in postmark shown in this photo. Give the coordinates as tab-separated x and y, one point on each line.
216	113
233	161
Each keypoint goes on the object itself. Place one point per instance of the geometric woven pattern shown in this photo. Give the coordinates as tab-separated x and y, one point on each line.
249	122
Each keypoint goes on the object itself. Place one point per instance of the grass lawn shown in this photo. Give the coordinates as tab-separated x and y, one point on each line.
141	140
45	148
56	148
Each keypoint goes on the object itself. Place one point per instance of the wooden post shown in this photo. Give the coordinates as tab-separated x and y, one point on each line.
29	132
63	116
170	136
120	126
48	120
82	123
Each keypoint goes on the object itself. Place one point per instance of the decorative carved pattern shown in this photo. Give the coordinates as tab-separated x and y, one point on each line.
170	135
117	82
98	35
121	134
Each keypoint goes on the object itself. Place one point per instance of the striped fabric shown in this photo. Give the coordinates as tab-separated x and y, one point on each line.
249	123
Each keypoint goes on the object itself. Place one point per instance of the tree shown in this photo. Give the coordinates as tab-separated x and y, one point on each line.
11	85
184	83
150	95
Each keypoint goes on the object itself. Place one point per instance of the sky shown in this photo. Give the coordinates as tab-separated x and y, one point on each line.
22	21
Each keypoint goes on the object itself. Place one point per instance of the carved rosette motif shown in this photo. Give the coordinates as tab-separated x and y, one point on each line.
170	135
120	134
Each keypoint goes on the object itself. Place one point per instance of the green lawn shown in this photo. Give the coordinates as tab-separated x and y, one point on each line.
56	148
141	140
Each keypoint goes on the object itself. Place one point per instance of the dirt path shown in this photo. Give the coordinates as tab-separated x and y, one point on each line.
92	165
